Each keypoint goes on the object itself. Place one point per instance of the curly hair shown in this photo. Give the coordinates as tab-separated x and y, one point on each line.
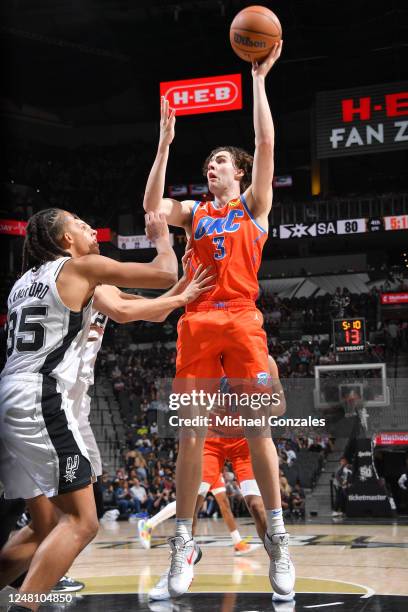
43	233
241	159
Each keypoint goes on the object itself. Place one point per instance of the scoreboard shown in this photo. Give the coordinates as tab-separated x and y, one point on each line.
349	335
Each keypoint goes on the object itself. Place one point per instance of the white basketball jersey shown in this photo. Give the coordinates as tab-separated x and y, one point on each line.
44	336
91	349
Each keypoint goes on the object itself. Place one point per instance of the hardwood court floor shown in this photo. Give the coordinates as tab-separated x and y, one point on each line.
329	559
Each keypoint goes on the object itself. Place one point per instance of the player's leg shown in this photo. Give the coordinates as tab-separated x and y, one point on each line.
16	554
160	591
22	545
49	459
10	512
76	526
246	361
241	546
196	370
146	526
238	452
188	478
256	508
199	504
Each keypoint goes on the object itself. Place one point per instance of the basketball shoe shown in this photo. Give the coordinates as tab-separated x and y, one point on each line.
145	533
160	591
182	559
281	569
67	585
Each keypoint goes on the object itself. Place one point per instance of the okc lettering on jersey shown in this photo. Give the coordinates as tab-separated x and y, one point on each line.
207	226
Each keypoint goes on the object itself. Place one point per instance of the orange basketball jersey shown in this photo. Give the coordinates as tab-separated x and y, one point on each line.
231	241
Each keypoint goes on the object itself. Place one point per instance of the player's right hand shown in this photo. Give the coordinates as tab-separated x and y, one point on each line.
156	227
200	283
167	122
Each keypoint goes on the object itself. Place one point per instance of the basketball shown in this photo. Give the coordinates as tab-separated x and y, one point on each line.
253	33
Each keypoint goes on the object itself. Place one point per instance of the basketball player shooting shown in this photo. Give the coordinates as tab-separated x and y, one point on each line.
228	234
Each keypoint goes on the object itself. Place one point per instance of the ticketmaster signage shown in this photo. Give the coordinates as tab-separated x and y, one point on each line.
362	120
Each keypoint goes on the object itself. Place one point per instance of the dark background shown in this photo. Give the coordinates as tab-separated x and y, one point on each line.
95	66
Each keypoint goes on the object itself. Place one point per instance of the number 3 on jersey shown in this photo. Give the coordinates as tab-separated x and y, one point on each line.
220	249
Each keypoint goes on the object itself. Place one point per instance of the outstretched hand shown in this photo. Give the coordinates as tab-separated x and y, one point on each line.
265	66
167	122
201	282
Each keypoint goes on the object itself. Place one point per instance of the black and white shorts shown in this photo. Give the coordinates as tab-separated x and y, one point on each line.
81	410
41	448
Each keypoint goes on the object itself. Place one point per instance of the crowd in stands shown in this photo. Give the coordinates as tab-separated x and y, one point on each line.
146	482
87	178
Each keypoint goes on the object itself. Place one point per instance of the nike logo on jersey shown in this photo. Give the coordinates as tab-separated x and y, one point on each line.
207	226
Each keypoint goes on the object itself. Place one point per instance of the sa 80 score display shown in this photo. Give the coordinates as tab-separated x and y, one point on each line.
349	335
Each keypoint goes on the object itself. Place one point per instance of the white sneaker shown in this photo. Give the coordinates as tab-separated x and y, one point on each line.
145	533
160	591
281	569
183	556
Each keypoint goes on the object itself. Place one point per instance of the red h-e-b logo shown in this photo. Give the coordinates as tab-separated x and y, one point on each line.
209	95
394	105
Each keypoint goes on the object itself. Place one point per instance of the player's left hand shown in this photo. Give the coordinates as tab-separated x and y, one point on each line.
265	66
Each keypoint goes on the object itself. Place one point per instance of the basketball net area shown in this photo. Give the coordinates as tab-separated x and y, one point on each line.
354	388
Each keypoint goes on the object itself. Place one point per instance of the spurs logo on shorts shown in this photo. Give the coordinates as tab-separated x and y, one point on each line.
72	466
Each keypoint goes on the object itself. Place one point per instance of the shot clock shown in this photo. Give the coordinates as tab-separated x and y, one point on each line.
349	335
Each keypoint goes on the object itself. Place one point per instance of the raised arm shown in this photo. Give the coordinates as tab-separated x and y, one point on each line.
259	194
80	275
177	213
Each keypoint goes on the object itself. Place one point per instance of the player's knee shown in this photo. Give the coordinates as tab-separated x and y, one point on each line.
90	528
84	528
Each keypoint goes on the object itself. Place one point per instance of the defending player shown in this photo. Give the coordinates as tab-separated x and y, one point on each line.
121	307
229	233
42	451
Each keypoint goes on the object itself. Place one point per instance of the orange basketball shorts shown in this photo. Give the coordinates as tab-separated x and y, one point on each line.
222	338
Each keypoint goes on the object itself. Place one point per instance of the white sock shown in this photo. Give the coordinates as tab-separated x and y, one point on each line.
164	514
274	521
184	528
235	536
